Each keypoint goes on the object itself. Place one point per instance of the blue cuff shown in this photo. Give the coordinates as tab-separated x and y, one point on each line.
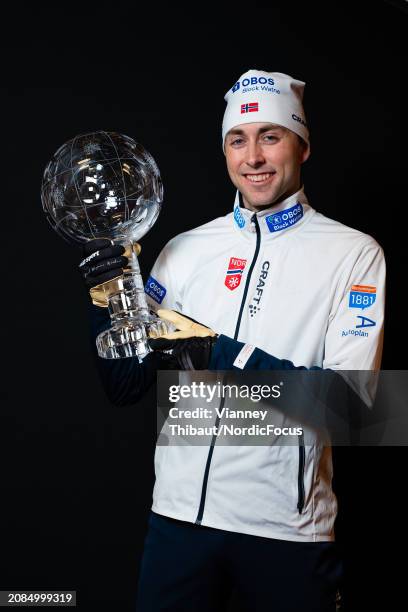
224	353
226	350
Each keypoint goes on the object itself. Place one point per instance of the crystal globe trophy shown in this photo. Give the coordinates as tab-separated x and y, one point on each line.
106	185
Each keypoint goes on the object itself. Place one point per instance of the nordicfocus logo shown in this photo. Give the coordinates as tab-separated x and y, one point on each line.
281	220
255	84
254	306
299	120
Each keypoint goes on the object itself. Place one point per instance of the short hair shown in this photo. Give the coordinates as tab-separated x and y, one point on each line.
302	142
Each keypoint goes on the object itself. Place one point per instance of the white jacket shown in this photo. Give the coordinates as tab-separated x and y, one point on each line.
294	286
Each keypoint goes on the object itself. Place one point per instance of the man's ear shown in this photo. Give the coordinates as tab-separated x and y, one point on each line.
305	153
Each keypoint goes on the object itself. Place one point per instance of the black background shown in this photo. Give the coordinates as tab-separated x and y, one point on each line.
76	472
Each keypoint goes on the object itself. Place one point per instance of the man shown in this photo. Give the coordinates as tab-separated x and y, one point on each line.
283	287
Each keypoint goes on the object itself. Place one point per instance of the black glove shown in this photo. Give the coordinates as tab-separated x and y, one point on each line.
102	261
187	353
191	346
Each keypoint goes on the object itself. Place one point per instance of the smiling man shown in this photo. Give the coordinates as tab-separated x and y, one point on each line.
264	162
279	286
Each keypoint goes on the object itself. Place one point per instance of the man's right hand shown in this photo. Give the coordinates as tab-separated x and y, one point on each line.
102	261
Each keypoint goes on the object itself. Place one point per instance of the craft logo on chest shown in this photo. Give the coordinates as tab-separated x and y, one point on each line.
255	305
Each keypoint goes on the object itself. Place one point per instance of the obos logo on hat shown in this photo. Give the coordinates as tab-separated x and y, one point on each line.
266	97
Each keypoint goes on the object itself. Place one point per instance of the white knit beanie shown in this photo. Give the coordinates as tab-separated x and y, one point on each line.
267	97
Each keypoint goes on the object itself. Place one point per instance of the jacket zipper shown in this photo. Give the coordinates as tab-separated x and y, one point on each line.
199	518
301	475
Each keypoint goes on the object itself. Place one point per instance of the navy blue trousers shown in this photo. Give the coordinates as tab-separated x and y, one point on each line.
187	567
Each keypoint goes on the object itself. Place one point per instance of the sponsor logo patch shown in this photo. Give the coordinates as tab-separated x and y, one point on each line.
354	332
236	267
285	218
155	290
255	305
365	322
362	296
256	84
299	119
359	328
239	217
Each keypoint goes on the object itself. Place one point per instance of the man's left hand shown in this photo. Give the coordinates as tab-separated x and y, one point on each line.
191	344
